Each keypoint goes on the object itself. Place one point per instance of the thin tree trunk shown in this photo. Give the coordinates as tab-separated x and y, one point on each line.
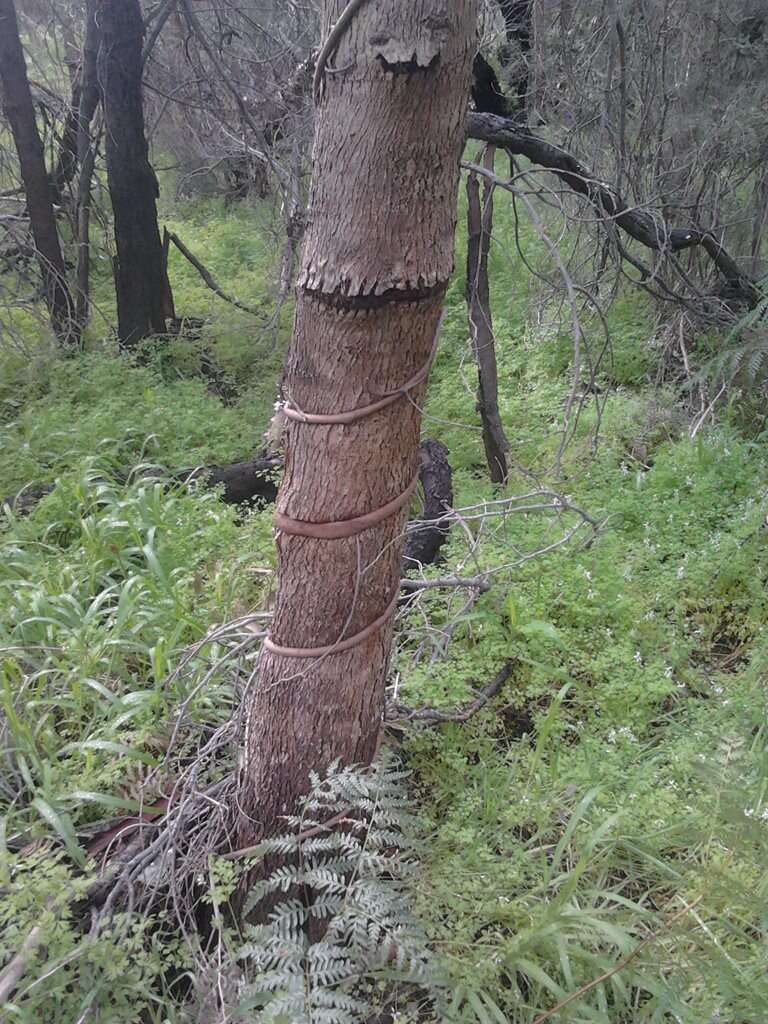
87	150
518	28
66	162
88	161
85	98
89	80
377	257
20	111
140	278
479	231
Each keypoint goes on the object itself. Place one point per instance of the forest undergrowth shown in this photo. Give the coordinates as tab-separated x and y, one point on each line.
591	844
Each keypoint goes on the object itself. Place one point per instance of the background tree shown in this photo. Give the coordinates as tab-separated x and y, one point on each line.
140	272
20	111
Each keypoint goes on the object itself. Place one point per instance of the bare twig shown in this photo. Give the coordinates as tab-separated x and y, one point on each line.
209	279
618	967
12	974
397	714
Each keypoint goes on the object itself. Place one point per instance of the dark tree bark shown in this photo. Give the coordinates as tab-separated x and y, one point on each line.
20	111
429	530
85	98
487	93
66	162
89	82
140	276
518	28
252	483
83	234
85	157
479	230
377	257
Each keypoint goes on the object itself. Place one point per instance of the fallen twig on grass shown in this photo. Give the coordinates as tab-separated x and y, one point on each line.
400	714
210	280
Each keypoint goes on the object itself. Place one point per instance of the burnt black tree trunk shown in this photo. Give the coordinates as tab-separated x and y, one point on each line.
518	28
479	229
20	111
140	276
82	107
86	157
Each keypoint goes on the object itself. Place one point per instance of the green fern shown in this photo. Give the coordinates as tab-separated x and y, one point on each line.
355	879
744	353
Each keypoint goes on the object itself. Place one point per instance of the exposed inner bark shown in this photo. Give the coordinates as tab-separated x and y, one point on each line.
378	253
479	230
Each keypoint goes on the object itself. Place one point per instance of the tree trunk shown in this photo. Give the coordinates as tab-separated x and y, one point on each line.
518	28
479	229
378	253
140	278
86	157
83	233
20	111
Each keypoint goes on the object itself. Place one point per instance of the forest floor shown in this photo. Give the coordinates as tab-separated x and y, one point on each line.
600	829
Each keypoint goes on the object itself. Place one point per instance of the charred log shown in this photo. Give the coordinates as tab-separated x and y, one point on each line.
429	531
254	482
487	94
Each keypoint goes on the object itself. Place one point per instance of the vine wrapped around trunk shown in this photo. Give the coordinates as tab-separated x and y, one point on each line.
378	253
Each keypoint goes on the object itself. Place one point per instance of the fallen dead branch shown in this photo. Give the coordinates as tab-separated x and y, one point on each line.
400	714
210	280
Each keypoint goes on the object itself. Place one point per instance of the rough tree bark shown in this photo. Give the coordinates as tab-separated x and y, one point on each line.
20	111
140	275
378	253
479	230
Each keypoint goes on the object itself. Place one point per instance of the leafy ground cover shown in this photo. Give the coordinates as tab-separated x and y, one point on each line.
596	837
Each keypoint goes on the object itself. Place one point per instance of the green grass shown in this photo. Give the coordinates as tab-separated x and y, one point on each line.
615	796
